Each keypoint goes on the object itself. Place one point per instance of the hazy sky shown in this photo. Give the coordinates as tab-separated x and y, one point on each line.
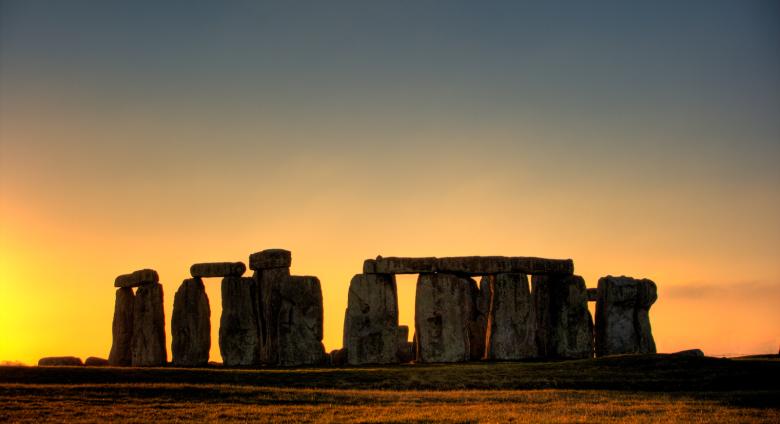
635	139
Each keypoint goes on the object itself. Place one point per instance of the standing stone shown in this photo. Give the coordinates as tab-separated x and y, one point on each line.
622	316
511	324
268	306
300	322
371	322
191	325
564	327
148	342
443	318
479	305
238	339
122	329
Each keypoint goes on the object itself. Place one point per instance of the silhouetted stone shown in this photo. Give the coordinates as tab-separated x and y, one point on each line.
622	316
137	278
564	327
239	341
371	321
268	308
338	357
443	318
394	265
511	323
485	265
191	325
270	258
94	361
122	328
593	294
478	320
148	341
693	353
59	361
300	322
218	269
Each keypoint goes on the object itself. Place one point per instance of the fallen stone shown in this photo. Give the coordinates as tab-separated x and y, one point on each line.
218	269
270	258
485	265
593	294
564	326
137	278
693	353
122	329
59	361
191	325
443	305
338	357
94	361
394	265
148	341
622	316
300	322
371	330
239	342
511	326
268	308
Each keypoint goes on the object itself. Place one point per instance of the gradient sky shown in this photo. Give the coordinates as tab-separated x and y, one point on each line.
635	139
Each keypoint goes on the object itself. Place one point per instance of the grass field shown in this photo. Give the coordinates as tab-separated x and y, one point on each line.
639	389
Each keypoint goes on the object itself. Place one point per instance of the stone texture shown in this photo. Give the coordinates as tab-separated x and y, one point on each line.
564	327
511	333
485	265
300	322
371	322
338	357
191	325
148	341
268	308
239	342
122	328
394	265
593	294
270	258
442	318
137	278
479	306
59	361
622	316
218	269
94	361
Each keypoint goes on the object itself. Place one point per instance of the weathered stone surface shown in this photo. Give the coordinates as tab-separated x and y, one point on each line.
218	269
122	329
485	265
442	318
511	333
394	265
405	353
137	278
479	305
564	327
148	341
191	325
239	342
94	361
268	308
371	323
270	258
60	361
592	294
300	322
622	316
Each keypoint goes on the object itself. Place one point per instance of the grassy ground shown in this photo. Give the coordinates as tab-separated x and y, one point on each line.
641	389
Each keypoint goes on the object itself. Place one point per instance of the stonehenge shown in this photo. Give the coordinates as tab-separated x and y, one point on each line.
622	320
191	324
274	318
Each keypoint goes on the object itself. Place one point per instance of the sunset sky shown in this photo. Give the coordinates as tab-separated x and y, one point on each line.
639	140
